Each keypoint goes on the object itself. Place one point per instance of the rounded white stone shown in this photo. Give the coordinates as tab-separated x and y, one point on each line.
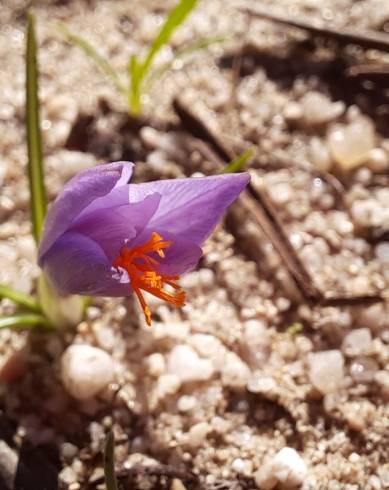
264	478
289	468
357	342
235	373
86	370
326	370
377	160
292	111
198	433
363	369
350	145
186	403
382	379
156	364
319	109
207	345
382	252
184	362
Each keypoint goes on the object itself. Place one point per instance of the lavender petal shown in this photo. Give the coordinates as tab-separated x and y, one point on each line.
77	194
75	264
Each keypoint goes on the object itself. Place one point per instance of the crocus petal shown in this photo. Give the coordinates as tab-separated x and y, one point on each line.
180	258
189	208
77	194
112	226
75	264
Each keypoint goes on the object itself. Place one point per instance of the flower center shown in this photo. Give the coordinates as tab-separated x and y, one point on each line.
142	269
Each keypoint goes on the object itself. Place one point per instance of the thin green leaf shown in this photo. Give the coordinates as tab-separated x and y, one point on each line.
139	69
104	65
237	163
24	321
187	50
135	76
20	298
38	197
173	20
109	462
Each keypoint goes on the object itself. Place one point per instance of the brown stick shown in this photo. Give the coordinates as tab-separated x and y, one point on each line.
201	130
375	72
367	40
257	205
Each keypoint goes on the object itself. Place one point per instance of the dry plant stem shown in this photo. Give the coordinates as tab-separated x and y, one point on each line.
257	205
200	130
377	73
367	40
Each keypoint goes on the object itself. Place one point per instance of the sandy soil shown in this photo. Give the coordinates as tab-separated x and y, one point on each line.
250	340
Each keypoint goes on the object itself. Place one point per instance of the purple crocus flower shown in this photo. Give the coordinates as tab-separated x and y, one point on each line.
106	237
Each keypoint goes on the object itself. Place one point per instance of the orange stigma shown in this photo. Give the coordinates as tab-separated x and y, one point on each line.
142	270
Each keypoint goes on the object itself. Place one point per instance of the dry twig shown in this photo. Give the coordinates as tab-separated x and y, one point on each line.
367	40
257	206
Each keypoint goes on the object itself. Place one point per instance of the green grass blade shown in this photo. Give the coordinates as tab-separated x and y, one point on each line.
109	462
187	50
23	321
139	69
38	197
237	163
173	20
104	65
20	298
134	89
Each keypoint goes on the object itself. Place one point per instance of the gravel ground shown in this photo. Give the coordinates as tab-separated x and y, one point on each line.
248	386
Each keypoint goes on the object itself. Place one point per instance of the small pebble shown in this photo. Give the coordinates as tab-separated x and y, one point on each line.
382	380
186	403
292	111
198	433
326	370
67	476
287	469
350	145
363	369
185	363
377	160
156	364
86	370
382	253
177	485
357	342
235	373
265	385
319	109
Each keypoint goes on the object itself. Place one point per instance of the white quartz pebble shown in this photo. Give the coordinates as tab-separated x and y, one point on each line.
186	403
156	365
350	145
319	154
357	342
326	370
86	370
287	469
319	109
235	373
198	433
185	363
382	253
167	385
